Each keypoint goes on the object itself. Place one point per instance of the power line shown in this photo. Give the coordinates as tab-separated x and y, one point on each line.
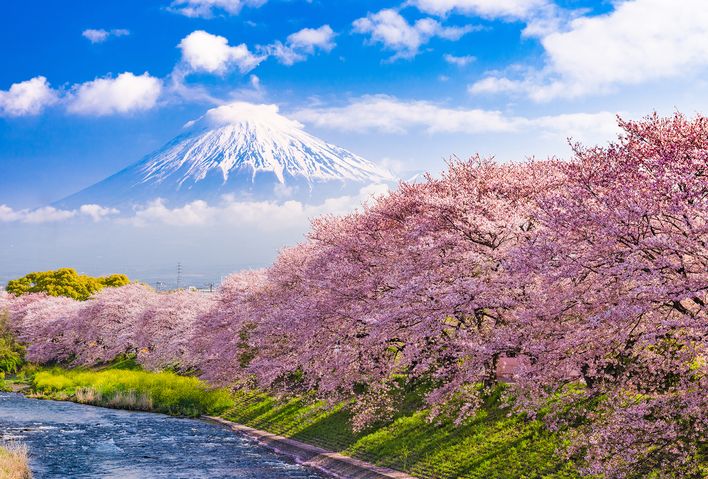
179	274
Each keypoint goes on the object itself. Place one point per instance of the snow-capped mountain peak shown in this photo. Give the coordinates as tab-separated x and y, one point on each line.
239	148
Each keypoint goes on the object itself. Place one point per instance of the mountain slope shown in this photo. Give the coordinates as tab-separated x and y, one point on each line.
240	149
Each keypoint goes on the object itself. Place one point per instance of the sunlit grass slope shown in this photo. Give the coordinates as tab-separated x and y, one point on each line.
492	444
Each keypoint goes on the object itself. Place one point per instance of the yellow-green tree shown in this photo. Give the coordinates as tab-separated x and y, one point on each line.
64	282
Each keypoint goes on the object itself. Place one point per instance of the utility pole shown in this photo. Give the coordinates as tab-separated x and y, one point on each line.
179	274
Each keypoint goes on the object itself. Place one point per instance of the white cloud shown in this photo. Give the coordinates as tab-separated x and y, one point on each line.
459	61
284	54
599	126
7	214
263	215
384	113
100	35
125	93
207	8
389	28
484	8
96	36
299	44
389	114
240	111
47	214
541	16
638	42
202	51
494	84
27	98
97	212
309	39
195	213
50	214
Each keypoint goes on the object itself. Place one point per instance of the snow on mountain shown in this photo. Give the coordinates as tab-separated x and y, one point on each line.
240	149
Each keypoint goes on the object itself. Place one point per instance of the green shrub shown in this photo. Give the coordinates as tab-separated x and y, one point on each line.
11	356
48	382
12	353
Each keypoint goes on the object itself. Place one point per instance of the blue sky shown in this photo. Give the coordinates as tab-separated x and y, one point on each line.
87	88
51	151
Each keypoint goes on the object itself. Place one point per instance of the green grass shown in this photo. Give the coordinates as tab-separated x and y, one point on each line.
133	389
492	444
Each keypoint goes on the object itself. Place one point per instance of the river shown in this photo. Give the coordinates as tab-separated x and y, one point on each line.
68	440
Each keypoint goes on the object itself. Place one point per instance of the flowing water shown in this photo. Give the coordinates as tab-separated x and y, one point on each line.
68	440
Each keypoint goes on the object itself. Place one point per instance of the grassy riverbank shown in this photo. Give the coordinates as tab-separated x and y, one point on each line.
163	392
492	444
14	462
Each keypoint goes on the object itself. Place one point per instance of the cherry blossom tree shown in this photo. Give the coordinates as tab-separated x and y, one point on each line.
619	278
413	285
164	331
589	277
109	321
46	325
219	344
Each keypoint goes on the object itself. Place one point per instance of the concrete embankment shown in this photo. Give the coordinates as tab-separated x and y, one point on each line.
328	462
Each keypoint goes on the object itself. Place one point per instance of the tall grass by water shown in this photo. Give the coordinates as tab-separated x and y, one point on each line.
163	392
14	462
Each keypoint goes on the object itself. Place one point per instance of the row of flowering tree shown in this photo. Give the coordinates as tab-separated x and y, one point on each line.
592	273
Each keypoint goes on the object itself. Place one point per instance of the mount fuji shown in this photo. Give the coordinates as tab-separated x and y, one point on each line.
242	150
